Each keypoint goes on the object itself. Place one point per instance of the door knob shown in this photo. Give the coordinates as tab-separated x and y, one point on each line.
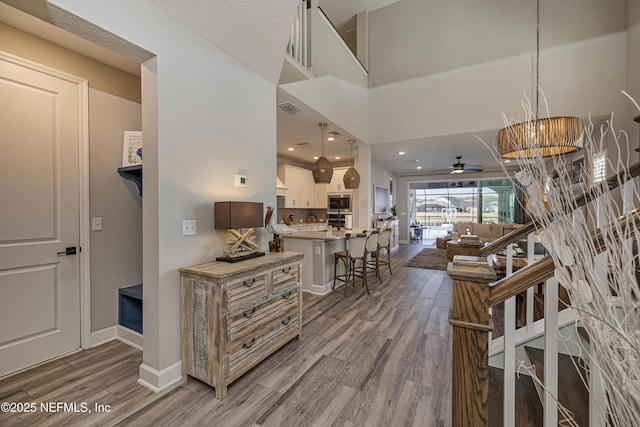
71	250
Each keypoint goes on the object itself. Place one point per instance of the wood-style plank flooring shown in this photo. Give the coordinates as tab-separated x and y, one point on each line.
365	360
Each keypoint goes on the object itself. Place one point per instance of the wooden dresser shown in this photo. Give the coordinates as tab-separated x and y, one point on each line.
236	314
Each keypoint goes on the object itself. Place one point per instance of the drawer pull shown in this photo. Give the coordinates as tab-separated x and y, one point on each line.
286	270
286	321
250	283
249	344
286	295
249	313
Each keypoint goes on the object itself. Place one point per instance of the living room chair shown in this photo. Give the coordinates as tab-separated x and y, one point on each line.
384	245
354	260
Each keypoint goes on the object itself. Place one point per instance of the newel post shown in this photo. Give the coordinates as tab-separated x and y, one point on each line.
471	326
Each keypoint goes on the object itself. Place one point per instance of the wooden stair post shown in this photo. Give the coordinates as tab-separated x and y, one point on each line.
471	326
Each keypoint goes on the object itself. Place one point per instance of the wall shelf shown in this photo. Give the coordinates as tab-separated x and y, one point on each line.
133	173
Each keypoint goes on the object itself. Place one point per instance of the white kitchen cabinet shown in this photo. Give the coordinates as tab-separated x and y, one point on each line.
303	193
337	184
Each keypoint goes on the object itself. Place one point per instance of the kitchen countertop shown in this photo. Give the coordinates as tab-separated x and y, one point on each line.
332	234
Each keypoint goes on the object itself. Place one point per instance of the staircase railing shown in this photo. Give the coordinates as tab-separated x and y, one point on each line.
579	201
473	296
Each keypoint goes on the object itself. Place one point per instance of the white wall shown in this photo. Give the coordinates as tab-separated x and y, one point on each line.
338	90
214	118
582	65
577	81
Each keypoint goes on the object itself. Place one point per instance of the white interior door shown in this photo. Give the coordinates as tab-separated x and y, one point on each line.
39	215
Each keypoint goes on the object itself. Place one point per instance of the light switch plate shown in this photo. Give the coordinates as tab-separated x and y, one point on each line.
189	227
96	224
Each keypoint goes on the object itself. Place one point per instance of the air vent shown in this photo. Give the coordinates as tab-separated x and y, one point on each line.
303	143
334	132
289	107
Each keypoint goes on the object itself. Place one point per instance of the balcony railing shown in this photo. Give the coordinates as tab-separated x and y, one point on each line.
299	40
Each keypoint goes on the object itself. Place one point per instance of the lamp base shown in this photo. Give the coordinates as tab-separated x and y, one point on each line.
240	257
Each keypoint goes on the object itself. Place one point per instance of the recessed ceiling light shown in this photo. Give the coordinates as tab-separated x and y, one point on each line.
419	167
507	161
316	157
401	153
330	138
290	148
337	157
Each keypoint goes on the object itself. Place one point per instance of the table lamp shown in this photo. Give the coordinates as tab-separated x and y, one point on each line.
235	216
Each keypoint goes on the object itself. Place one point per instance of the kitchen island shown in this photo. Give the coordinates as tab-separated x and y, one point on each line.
319	248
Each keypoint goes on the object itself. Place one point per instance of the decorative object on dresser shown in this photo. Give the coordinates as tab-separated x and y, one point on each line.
237	216
235	315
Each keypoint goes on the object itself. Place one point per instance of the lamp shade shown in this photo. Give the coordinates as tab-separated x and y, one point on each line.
236	215
351	179
322	171
541	138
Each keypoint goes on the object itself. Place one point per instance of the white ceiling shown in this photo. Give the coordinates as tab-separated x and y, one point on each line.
254	32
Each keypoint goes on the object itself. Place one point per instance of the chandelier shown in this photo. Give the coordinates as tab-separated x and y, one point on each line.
540	137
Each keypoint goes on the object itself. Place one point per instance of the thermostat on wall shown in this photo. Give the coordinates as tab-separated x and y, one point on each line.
241	180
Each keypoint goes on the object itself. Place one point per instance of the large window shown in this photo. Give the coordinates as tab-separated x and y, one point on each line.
440	204
497	202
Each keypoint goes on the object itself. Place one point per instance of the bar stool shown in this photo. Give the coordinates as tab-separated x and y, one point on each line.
384	244
354	260
372	252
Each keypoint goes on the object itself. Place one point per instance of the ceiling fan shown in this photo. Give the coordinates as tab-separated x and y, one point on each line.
461	167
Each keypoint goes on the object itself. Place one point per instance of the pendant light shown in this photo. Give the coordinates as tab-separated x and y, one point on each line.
540	137
322	170
351	178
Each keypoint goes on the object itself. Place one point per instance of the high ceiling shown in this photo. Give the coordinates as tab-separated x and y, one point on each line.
410	39
264	31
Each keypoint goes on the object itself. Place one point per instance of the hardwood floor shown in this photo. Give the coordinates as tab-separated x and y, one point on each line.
383	359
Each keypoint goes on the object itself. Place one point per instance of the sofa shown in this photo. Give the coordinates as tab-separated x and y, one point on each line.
485	232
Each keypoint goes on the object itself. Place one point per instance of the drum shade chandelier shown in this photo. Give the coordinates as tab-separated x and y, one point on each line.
540	137
322	170
351	178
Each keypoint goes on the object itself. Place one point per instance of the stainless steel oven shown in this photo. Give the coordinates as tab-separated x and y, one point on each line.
340	202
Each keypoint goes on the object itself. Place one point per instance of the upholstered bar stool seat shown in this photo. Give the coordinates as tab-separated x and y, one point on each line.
354	261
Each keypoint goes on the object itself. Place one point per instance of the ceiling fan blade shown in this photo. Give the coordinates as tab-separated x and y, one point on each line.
473	168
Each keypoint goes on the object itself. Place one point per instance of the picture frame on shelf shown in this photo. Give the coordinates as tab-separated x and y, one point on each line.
132	148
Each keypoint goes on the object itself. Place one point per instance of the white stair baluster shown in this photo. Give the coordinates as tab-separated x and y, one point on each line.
509	350
550	353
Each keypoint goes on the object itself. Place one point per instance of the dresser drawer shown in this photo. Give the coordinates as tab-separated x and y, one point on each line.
245	292
246	353
285	276
252	320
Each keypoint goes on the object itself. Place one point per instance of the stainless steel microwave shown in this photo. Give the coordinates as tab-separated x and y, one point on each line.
343	202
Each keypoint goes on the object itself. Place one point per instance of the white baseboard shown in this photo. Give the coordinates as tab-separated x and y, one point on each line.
149	377
160	380
132	338
117	332
103	336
